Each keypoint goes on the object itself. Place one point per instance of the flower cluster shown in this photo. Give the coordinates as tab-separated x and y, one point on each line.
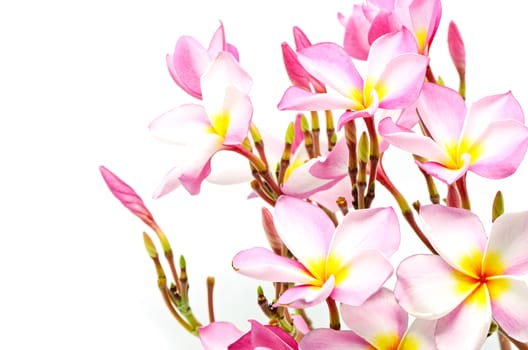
328	243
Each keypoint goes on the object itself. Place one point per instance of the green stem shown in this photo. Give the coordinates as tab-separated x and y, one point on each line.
404	206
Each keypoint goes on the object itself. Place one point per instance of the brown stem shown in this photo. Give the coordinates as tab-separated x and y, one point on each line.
210	303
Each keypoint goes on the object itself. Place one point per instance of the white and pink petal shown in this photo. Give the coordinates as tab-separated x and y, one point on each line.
509	302
427	287
265	265
457	235
304	296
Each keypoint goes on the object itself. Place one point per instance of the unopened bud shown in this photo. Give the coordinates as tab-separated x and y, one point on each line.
149	245
363	148
271	232
457	49
498	206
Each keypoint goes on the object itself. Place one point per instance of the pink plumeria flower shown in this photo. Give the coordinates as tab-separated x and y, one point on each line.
393	81
221	123
379	323
375	18
490	140
348	263
473	280
224	335
191	60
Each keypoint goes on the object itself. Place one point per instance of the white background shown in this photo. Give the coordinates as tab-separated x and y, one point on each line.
79	83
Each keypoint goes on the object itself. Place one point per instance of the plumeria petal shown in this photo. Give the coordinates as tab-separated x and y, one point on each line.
305	229
197	163
369	229
411	142
356	42
329	339
378	319
330	64
457	235
400	83
302	184
217	43
425	16
218	335
180	125
447	175
500	149
420	335
328	197
508	244
264	337
491	109
265	265
187	64
298	75
423	278
386	48
509	302
468	325
333	164
224	72
170	182
240	110
442	111
298	99
360	276
304	296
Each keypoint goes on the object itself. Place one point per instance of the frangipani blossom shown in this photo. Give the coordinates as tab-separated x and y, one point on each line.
473	280
348	263
222	122
379	323
375	18
490	140
191	60
224	335
393	81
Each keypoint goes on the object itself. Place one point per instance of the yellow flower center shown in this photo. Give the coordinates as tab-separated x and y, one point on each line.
220	124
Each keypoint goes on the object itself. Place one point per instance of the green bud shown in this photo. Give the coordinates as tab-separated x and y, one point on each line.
290	134
498	206
149	245
363	148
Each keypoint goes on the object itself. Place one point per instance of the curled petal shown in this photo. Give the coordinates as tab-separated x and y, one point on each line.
217	43
262	264
457	235
296	72
304	296
508	244
187	64
428	288
240	110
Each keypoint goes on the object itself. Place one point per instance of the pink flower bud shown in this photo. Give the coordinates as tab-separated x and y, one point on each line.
457	49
